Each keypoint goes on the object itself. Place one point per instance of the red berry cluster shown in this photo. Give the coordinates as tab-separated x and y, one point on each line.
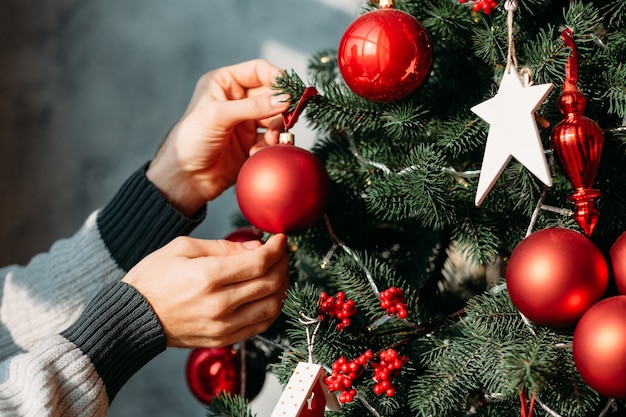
487	6
344	372
337	307
384	371
393	301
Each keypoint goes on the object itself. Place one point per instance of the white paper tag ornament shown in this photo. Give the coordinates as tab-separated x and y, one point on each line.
304	389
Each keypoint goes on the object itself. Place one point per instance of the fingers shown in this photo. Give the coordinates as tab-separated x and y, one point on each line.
189	247
240	265
271	282
231	112
253	73
249	319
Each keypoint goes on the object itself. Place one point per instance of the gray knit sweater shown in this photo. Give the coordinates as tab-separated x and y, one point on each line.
71	334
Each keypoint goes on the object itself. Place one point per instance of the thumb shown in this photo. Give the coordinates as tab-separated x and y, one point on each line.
259	107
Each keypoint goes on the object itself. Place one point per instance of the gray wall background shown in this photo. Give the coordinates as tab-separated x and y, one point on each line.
88	89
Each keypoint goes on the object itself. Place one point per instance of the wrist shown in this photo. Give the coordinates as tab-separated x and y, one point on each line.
174	187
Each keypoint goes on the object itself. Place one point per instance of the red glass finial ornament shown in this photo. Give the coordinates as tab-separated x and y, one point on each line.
578	142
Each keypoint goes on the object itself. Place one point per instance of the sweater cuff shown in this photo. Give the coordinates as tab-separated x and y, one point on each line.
119	332
140	220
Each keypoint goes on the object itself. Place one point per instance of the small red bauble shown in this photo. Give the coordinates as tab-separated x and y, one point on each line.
618	263
599	347
283	189
384	55
554	275
210	371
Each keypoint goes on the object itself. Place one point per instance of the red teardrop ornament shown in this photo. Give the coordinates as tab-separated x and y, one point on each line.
578	141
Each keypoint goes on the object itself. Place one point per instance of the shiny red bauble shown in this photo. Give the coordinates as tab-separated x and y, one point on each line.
599	347
210	371
384	55
283	189
554	275
618	263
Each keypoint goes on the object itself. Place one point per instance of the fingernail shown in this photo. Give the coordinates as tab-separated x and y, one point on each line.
280	100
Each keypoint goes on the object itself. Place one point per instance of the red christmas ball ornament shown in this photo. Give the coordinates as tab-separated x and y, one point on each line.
618	263
283	188
554	275
599	347
385	55
210	371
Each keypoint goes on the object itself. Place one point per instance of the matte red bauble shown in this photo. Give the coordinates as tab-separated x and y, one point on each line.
554	275
283	189
385	55
211	371
618	263
599	347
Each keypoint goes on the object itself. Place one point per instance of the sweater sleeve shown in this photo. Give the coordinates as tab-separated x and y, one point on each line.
78	372
139	220
69	329
47	295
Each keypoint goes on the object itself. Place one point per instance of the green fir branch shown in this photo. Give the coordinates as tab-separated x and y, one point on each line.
420	192
228	405
615	10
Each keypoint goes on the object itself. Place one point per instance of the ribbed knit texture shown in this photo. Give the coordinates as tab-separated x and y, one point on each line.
139	220
71	334
119	332
55	379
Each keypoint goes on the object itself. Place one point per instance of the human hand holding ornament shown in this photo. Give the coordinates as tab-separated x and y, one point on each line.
211	293
202	154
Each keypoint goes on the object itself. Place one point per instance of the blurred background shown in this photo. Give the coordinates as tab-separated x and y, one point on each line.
89	88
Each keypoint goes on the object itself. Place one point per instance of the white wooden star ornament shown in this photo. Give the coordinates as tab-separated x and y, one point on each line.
513	131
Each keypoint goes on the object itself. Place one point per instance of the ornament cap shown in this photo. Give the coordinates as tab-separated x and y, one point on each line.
286	138
386	4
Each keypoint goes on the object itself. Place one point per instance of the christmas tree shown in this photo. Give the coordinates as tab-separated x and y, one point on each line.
400	291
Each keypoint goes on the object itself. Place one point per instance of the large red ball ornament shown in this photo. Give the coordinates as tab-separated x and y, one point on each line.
554	275
599	347
283	189
210	371
618	263
384	55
